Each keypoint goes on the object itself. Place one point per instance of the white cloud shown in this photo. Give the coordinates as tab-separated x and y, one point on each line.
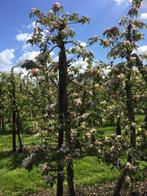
143	16
26	47
5	69
83	44
119	2
23	37
6	57
142	50
19	70
32	25
28	56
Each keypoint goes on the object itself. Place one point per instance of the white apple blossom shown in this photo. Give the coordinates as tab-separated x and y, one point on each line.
56	6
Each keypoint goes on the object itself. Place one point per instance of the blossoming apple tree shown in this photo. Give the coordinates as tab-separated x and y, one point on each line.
53	33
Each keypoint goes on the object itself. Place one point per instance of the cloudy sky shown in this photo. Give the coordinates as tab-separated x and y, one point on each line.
16	26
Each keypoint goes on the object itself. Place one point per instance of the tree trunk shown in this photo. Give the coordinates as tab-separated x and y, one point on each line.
118	126
62	104
64	122
15	116
130	109
111	120
129	95
19	132
2	125
14	130
13	113
145	117
70	177
119	185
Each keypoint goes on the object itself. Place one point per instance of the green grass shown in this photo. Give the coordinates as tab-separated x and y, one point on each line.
106	131
109	130
139	118
6	141
19	181
89	171
15	180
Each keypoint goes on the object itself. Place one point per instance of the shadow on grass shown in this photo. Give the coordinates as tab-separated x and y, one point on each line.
12	160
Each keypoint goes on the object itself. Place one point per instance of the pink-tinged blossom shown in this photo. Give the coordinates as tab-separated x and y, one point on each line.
34	71
56	6
34	10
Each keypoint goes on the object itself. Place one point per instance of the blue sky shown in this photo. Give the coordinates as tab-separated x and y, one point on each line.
16	26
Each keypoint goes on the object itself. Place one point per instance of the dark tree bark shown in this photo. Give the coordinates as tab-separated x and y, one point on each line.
62	103
118	126
13	99
129	95
14	131
19	129
64	122
111	119
15	117
145	117
130	109
119	185
2	125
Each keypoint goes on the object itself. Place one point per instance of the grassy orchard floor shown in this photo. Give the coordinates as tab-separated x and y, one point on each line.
15	180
